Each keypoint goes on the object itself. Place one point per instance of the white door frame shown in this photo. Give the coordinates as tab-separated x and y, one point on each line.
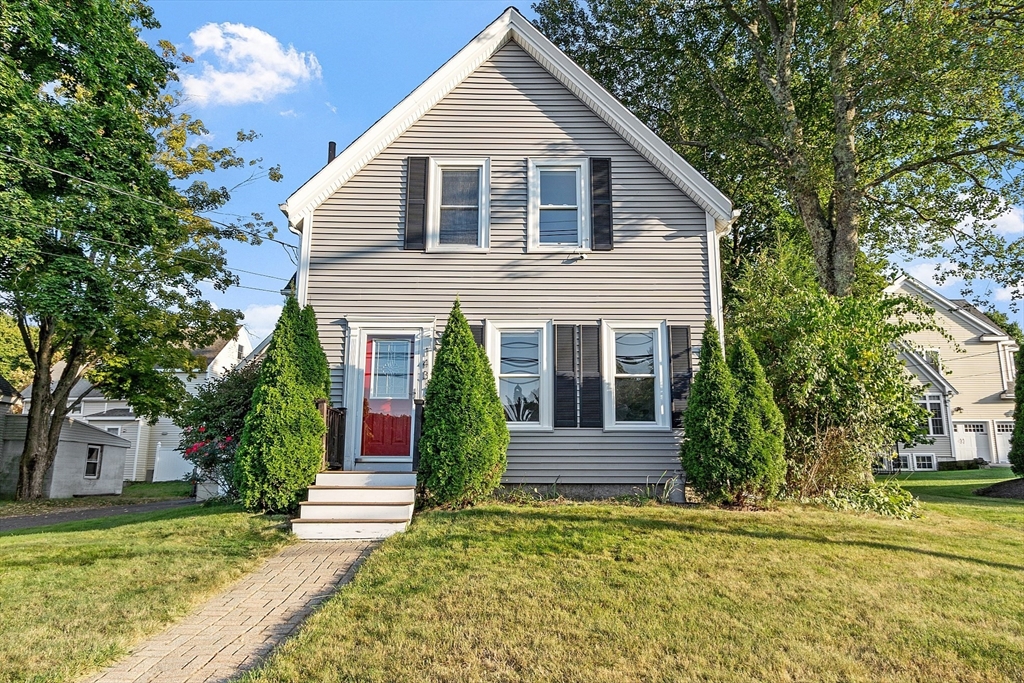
422	332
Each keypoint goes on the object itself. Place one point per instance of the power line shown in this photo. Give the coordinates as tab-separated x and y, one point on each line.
136	196
122	244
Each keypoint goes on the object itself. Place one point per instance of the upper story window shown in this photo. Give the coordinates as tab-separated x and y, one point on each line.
559	197
936	424
459	213
76	409
931	354
635	365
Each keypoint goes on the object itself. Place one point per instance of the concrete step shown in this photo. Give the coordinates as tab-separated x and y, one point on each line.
356	511
366	478
345	529
362	494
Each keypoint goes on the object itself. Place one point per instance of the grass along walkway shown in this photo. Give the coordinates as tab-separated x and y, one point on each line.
76	597
595	593
133	492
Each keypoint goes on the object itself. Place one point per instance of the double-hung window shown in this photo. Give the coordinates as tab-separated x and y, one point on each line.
559	197
635	370
520	354
93	459
459	216
936	424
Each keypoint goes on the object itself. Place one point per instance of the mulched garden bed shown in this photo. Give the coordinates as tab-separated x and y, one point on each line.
1014	488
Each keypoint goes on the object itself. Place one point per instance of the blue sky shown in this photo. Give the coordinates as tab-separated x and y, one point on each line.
304	73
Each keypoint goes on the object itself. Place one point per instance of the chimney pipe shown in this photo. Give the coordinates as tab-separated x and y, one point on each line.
332	149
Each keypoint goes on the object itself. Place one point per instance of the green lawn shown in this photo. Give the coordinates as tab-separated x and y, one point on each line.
74	597
952	493
133	492
599	592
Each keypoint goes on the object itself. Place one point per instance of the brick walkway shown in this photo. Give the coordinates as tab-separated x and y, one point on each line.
235	630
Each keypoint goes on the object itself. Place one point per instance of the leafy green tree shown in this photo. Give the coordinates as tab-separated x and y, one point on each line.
1012	327
212	421
104	248
281	448
896	125
757	427
15	365
708	451
834	367
1017	440
465	438
310	355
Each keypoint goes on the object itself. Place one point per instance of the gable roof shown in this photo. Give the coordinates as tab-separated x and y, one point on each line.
925	371
511	25
960	309
7	390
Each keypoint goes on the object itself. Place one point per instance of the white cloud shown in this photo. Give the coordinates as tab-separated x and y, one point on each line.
1010	224
289	113
260	319
252	66
334	110
927	272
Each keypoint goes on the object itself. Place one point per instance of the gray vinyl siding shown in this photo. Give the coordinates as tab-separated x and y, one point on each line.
511	109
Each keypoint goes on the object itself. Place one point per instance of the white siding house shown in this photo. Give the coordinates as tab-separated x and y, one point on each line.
969	382
583	249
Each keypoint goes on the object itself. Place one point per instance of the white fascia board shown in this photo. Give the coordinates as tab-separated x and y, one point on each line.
511	25
954	309
920	366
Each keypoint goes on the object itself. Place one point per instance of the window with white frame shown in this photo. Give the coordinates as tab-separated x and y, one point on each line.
931	354
76	409
924	461
636	390
936	423
902	462
559	197
459	216
391	361
93	458
116	431
520	354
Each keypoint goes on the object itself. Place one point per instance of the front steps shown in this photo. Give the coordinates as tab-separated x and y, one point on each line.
356	504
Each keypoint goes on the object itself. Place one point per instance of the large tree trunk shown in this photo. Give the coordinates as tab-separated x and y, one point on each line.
46	413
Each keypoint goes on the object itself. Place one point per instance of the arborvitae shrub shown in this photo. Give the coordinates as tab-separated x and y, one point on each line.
310	355
464	441
1017	439
758	429
281	447
708	447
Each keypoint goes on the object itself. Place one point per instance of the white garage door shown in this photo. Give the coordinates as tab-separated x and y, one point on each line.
1004	430
972	441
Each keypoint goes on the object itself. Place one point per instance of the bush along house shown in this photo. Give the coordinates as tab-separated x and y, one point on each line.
584	251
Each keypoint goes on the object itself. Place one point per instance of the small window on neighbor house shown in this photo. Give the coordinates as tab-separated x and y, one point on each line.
1004	428
558	204
934	359
241	352
924	462
116	431
459	213
936	424
92	462
76	409
902	462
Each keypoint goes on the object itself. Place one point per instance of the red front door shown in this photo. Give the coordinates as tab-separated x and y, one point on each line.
387	396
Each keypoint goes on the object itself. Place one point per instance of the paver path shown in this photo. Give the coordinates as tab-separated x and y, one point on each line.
235	630
77	514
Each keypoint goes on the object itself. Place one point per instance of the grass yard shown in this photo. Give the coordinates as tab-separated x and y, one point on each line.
598	592
952	493
133	492
74	597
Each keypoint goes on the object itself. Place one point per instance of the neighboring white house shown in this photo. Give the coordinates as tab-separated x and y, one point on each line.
153	453
969	382
10	399
583	248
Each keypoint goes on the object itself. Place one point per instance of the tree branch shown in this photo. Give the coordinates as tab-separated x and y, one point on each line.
945	158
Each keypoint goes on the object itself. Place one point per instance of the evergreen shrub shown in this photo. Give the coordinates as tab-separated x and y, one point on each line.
464	440
281	448
1017	438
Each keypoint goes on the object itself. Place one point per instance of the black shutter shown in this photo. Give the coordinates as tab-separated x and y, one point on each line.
478	334
416	204
591	391
601	204
679	348
565	375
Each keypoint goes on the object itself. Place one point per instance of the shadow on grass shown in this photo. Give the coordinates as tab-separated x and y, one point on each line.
650	524
126	519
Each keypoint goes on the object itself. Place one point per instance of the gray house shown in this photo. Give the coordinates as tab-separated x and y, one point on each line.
89	462
584	251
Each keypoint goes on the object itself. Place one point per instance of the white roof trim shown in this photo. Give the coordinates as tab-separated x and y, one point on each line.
983	327
921	366
511	25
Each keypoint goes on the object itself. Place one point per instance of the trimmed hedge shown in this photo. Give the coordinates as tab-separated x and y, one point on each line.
281	448
950	465
464	441
1017	438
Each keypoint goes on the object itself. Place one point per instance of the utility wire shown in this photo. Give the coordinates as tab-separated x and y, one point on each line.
132	194
129	246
